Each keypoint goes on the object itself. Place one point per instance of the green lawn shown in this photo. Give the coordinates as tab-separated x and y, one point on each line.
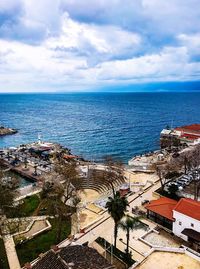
3	257
31	249
29	206
25	209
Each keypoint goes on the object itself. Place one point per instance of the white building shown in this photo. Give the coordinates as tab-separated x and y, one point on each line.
182	217
186	224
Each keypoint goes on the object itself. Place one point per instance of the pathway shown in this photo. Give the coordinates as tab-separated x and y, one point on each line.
105	227
11	252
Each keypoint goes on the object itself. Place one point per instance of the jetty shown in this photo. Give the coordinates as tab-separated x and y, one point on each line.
33	161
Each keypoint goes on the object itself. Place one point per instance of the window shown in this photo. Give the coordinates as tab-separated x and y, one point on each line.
192	224
180	223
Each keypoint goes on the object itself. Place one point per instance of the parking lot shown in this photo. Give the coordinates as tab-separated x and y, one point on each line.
185	184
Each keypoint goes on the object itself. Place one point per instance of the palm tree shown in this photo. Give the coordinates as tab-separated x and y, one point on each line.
116	208
129	224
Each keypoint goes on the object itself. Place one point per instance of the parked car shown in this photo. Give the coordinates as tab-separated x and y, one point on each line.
181	183
186	181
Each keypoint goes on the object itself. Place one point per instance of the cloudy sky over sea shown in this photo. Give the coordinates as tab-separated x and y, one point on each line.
51	45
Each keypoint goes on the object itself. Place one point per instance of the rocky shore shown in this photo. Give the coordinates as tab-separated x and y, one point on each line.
7	131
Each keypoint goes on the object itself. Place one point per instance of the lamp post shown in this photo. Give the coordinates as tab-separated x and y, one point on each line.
35	167
25	162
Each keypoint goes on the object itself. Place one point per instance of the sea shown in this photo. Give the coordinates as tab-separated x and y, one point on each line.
95	125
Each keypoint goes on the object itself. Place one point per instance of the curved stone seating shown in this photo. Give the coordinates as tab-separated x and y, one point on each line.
98	184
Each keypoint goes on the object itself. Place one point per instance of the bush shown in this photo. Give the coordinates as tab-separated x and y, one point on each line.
172	174
118	253
3	256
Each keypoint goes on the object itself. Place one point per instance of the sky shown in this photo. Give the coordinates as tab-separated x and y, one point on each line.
78	45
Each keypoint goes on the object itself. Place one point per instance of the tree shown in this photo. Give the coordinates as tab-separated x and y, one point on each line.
187	160
69	175
129	224
196	180
52	200
116	206
59	195
172	189
160	172
7	194
166	172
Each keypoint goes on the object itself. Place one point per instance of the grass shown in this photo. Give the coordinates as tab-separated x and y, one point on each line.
26	209
29	206
3	257
30	250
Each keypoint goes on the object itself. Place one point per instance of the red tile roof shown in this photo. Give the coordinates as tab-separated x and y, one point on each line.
163	206
190	136
82	257
189	208
193	128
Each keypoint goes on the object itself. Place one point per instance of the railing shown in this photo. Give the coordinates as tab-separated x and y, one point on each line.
192	253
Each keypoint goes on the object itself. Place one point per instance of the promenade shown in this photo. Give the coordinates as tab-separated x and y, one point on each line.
105	226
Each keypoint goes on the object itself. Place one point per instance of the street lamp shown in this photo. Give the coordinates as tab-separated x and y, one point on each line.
35	167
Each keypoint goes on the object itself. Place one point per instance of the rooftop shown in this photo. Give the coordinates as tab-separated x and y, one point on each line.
189	208
194	128
163	206
75	257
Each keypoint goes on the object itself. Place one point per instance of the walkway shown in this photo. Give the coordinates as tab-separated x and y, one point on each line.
11	252
105	227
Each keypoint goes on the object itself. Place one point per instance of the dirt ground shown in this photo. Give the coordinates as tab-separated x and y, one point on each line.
88	195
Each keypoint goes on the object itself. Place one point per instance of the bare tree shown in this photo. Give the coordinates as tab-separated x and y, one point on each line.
188	160
7	194
161	172
69	175
59	195
52	200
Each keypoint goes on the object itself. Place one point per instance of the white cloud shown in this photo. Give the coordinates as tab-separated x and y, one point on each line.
96	42
168	63
7	5
192	43
74	43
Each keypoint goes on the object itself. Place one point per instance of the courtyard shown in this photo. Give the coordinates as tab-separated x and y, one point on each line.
169	260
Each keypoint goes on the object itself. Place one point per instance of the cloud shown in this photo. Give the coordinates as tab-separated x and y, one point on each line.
94	42
68	44
165	65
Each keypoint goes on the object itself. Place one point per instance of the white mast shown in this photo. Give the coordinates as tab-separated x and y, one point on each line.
39	138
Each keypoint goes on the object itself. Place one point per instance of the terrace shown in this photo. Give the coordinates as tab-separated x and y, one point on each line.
161	238
169	260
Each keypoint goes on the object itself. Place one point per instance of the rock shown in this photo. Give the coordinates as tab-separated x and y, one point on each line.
7	131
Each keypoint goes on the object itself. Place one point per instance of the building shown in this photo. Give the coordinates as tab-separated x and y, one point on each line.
161	211
189	135
147	163
182	217
71	257
186	223
124	189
